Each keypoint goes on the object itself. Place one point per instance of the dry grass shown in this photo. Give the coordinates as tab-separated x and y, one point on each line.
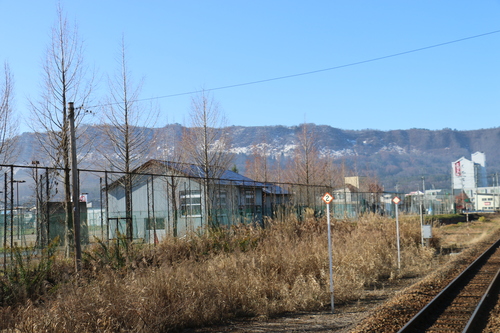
465	234
207	279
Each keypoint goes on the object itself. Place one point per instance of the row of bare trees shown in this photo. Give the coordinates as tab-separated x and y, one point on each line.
307	165
126	123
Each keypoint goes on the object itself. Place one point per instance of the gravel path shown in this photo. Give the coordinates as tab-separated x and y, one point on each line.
344	319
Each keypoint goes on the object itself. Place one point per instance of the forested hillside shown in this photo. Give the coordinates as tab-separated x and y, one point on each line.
395	158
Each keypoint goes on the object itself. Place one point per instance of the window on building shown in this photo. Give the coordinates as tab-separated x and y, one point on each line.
190	203
160	223
249	198
222	198
221	202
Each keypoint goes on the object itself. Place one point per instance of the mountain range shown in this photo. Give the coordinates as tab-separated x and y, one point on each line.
399	159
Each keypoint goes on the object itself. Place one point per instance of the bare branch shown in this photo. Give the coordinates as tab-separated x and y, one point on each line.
8	125
206	143
127	121
65	80
126	129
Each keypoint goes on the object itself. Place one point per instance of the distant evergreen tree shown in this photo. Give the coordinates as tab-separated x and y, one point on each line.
235	169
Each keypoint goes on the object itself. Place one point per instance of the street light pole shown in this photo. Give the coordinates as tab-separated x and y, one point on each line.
37	205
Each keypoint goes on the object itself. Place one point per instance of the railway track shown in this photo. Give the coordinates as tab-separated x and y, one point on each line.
465	304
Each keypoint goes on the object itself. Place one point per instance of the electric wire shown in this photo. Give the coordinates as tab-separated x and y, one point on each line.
357	63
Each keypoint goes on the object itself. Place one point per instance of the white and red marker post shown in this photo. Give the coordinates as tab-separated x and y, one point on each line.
396	201
327	198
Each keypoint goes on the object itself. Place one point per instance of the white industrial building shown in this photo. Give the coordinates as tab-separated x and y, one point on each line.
487	199
469	174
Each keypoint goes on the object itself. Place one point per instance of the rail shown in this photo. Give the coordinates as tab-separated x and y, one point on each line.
437	312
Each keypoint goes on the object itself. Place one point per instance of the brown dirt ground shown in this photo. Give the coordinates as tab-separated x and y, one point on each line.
343	320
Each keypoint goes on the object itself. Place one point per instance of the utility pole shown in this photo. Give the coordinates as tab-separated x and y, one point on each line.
76	190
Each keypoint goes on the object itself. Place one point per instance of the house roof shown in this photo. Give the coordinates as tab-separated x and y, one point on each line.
194	171
271	188
348	187
228	177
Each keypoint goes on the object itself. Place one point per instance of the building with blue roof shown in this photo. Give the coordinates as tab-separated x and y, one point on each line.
177	198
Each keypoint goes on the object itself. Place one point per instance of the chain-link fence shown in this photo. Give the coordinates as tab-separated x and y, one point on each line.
166	199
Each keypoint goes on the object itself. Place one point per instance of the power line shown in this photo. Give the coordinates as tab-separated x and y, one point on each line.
316	71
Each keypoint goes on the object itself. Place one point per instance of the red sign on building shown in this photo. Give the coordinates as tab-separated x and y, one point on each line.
458	169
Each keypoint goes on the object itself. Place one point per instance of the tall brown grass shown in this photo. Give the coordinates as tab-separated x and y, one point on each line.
226	273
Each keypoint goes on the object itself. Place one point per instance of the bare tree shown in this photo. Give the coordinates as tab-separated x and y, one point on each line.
127	128
206	143
257	167
307	167
333	174
8	125
65	80
175	154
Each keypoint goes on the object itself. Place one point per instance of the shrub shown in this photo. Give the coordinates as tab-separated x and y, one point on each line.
27	276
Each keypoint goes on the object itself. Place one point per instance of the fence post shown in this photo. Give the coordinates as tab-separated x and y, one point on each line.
107	205
155	239
5	223
47	213
11	212
100	201
148	204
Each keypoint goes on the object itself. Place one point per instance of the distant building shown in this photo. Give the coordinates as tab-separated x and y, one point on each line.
469	174
356	181
171	198
487	199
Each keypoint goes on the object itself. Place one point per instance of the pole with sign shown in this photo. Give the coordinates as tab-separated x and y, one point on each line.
327	198
396	201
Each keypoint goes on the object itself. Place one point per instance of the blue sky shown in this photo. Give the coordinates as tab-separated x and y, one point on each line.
183	46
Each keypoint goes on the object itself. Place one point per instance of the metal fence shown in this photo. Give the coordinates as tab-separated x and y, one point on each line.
34	206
